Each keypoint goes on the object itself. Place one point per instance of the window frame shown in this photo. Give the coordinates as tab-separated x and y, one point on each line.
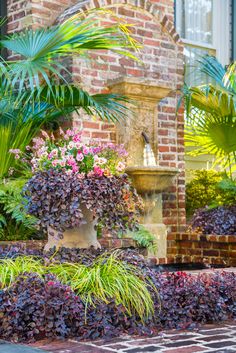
220	31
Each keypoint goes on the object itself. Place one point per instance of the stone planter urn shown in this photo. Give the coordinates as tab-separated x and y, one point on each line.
81	237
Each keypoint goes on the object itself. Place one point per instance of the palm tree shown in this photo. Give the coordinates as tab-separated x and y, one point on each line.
211	114
38	86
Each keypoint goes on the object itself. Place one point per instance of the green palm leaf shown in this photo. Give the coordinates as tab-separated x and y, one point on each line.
42	50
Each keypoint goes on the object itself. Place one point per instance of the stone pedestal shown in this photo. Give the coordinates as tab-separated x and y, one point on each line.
81	237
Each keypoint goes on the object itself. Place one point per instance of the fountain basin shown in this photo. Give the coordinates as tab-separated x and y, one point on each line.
149	180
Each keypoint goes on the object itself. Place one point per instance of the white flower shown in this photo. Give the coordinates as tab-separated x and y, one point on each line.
71	145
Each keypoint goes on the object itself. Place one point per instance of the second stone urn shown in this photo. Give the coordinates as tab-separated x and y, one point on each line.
81	237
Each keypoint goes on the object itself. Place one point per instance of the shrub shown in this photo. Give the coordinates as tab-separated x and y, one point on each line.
188	299
34	308
208	188
220	220
15	223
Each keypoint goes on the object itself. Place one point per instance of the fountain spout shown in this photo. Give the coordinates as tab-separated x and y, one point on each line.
148	155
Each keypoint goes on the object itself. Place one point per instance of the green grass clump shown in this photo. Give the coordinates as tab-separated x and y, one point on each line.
10	269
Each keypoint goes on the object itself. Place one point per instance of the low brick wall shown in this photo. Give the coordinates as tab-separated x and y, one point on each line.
199	248
109	243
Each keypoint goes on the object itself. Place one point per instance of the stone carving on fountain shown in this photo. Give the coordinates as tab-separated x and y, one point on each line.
139	134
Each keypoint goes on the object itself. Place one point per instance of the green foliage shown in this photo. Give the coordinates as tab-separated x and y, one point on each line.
108	278
209	188
145	239
15	223
211	115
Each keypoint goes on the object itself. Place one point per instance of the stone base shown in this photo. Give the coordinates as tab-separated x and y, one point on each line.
160	232
82	237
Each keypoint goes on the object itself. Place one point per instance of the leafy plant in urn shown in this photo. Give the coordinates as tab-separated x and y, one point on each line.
76	186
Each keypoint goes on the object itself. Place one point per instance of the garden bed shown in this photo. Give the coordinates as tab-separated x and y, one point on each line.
46	296
200	248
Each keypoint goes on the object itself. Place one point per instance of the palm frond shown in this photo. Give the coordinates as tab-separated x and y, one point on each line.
111	107
42	50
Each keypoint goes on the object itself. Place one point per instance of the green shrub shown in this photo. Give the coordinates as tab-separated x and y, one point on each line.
209	188
15	223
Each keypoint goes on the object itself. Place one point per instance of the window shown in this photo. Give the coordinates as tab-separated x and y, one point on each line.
204	26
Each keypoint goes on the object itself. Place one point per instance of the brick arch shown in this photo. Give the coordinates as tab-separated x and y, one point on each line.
59	13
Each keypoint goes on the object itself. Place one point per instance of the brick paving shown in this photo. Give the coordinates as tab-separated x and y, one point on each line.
207	338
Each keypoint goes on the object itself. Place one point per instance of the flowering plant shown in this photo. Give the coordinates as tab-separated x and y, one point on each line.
69	154
69	174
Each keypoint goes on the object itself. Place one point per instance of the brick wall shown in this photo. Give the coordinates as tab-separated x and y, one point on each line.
162	57
195	247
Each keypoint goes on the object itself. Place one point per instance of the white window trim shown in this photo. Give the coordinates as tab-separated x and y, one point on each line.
221	32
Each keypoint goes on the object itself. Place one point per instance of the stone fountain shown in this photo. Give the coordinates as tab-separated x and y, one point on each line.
139	134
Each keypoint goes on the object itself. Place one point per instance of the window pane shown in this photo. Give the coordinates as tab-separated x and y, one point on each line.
192	76
194	20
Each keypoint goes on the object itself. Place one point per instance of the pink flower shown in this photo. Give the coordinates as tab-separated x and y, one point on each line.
71	145
77	137
69	172
98	171
81	175
101	161
71	161
85	150
15	151
62	162
75	169
79	157
55	162
120	167
69	132
61	132
54	152
63	151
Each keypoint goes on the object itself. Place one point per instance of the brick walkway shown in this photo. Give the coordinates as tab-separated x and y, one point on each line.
208	338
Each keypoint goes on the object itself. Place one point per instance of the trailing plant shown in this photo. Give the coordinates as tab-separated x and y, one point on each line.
209	188
15	223
55	198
